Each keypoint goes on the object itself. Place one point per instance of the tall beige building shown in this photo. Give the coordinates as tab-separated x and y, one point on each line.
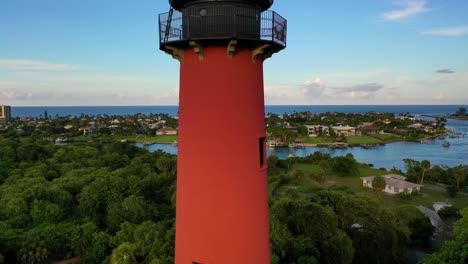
5	114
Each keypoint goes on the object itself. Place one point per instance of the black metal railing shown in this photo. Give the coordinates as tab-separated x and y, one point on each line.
174	27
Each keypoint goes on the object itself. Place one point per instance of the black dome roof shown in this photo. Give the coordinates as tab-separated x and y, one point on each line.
263	4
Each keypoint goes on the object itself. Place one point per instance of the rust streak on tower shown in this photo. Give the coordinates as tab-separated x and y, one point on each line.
222	201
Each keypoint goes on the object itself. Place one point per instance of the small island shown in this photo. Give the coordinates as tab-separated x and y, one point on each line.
340	130
461	114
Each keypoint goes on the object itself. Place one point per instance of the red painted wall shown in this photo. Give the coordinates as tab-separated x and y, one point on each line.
222	201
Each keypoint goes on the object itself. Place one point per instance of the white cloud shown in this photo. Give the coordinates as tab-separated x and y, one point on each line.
368	87
318	92
34	65
360	91
279	94
393	90
313	88
408	9
427	90
51	88
14	94
449	31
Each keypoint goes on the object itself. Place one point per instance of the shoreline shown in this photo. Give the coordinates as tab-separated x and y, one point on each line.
346	145
447	117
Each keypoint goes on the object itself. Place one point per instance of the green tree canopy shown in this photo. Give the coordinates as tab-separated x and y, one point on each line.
454	251
379	183
345	166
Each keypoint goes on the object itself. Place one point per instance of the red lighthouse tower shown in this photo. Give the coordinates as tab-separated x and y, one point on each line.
222	201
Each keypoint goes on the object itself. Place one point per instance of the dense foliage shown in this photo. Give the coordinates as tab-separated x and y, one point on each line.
336	225
454	251
92	201
115	203
454	178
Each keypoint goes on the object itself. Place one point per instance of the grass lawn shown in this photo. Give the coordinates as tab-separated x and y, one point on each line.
307	168
363	172
317	140
387	137
85	139
356	140
354	183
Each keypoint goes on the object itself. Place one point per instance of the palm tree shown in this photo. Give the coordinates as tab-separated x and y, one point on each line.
379	184
324	167
425	165
460	177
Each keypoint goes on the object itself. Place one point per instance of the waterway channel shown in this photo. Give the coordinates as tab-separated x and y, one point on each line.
386	156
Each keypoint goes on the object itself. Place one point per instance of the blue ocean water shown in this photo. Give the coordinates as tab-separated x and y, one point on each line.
52	111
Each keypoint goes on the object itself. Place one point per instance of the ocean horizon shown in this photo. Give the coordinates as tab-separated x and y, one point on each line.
52	111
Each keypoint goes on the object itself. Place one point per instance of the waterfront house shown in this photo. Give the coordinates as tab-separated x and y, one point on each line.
416	126
371	129
166	131
405	117
291	128
88	130
394	184
344	130
317	130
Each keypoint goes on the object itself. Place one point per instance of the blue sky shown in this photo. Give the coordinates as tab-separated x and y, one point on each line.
88	52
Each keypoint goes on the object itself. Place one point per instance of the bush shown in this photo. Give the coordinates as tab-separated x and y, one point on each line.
345	166
404	196
297	173
449	212
316	177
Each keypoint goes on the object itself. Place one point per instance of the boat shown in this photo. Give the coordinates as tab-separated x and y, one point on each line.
338	146
148	143
423	141
296	145
446	144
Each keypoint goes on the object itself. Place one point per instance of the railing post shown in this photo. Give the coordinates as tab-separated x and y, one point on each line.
273	26
160	25
285	31
236	25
